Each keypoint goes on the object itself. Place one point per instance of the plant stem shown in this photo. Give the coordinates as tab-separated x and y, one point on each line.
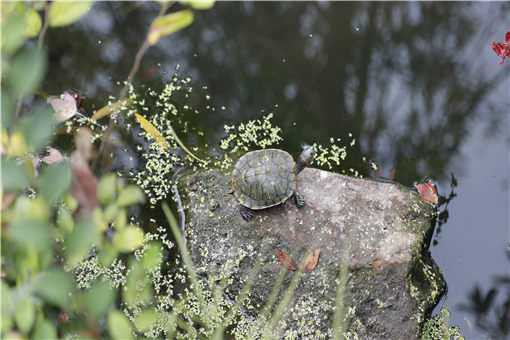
44	28
140	53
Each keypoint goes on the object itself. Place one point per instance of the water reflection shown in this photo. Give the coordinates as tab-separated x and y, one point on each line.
406	79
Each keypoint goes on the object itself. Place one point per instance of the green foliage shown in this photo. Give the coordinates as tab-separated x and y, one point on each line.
168	24
198	4
55	181
26	71
119	326
64	12
439	327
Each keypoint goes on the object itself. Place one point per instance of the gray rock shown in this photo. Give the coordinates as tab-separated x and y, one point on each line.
377	232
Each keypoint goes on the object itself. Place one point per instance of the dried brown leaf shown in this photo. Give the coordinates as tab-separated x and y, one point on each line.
285	260
312	260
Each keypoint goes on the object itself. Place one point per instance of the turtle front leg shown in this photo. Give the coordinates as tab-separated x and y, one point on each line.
299	200
246	213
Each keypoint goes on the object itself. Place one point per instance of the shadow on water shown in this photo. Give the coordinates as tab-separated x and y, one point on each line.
408	80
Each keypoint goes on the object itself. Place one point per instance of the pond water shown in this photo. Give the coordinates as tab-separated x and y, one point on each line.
416	84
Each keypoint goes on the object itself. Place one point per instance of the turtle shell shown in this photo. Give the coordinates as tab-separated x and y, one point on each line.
264	178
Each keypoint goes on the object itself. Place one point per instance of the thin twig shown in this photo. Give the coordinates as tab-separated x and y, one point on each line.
44	28
134	69
136	65
180	210
139	55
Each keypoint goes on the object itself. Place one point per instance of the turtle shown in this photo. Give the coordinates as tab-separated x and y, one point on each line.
265	178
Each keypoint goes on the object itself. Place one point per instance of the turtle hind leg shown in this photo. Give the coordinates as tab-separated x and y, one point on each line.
299	200
246	213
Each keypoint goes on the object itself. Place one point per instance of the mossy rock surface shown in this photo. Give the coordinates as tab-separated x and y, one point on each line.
379	231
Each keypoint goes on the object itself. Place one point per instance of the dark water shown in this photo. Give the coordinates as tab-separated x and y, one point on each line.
417	84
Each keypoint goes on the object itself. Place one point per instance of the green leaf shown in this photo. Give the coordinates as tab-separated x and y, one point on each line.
107	254
130	195
7	109
55	180
168	24
31	209
7	307
128	239
25	315
65	220
111	212
152	256
138	289
120	220
13	30
37	128
26	71
31	233
106	188
65	12
119	326
55	287
198	4
146	320
98	299
33	23
14	175
44	330
79	243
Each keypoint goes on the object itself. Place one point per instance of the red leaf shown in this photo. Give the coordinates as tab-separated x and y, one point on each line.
502	49
285	260
312	260
428	192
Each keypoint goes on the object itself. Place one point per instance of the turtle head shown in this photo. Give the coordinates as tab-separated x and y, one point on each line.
306	156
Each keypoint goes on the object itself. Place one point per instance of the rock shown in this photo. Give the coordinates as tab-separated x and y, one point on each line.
375	233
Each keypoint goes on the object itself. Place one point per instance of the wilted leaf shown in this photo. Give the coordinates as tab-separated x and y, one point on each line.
285	260
128	239
55	286
83	143
33	23
106	188
26	71
109	109
80	241
428	192
130	195
199	4
55	180
37	128
84	184
145	320
312	260
119	326
65	12
152	131
169	24
14	175
25	315
65	106
52	156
